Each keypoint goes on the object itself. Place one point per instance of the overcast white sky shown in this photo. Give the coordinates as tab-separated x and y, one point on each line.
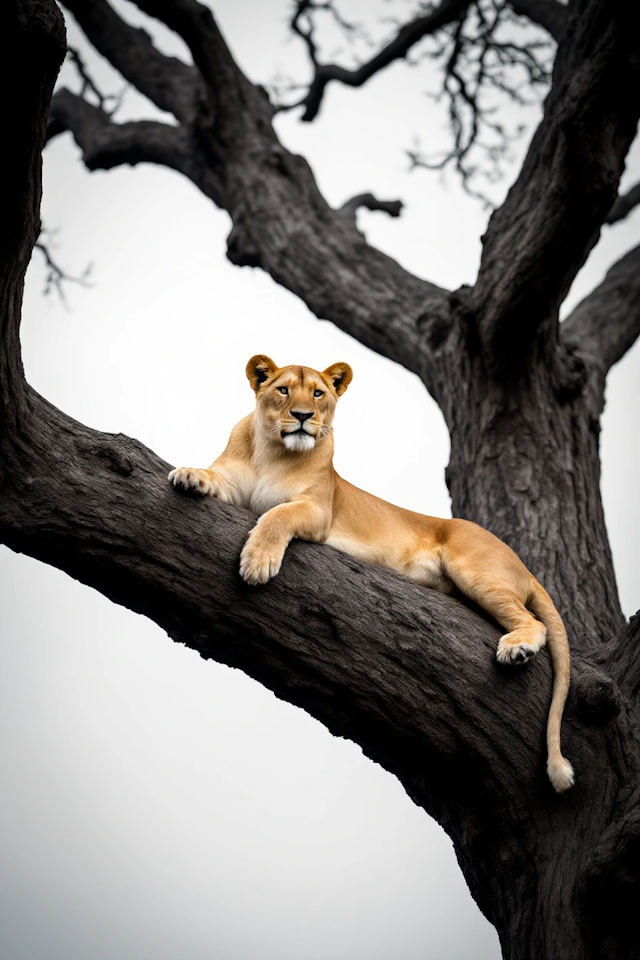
154	805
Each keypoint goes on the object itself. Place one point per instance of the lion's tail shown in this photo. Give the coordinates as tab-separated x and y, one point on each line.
559	769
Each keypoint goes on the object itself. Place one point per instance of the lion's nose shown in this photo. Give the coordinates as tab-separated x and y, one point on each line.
301	415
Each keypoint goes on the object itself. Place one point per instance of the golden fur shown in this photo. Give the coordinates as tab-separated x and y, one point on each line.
279	463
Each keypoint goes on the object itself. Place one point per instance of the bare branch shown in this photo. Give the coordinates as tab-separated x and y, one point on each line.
367	200
484	49
479	57
607	322
546	13
407	37
538	240
170	84
624	204
106	144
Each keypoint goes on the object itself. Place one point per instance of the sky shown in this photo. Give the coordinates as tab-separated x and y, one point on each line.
153	804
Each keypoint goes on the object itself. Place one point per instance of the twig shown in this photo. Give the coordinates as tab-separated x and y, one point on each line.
56	277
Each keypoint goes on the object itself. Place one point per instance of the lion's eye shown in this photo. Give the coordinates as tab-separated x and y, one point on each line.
284	391
318	393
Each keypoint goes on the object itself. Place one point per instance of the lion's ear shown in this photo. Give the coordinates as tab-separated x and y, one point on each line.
259	369
339	374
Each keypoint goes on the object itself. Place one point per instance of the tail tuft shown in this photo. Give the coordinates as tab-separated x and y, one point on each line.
560	772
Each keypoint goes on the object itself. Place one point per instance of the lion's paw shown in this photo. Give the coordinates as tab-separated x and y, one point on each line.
515	653
258	564
191	479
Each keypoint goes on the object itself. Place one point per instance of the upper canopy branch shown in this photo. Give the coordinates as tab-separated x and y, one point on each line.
547	13
540	237
170	84
407	37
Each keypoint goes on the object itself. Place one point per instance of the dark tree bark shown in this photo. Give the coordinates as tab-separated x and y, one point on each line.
406	673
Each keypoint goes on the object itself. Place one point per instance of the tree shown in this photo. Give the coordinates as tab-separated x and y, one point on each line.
521	395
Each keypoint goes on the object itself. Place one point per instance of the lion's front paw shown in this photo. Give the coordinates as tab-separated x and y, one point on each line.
259	563
192	480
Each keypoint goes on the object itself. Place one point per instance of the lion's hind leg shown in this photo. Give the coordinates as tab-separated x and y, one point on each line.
495	579
526	635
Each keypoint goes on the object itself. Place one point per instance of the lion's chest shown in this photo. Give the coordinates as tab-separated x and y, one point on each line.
266	493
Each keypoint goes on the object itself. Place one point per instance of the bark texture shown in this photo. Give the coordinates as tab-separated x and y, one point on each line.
406	673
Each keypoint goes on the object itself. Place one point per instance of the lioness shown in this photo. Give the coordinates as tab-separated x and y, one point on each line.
279	463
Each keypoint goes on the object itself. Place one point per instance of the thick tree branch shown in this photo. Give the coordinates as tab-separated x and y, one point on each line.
624	204
607	322
106	144
194	22
542	234
170	84
407	672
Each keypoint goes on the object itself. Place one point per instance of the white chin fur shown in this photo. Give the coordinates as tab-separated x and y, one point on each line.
299	442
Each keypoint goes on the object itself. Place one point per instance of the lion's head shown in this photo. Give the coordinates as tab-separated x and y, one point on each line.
295	405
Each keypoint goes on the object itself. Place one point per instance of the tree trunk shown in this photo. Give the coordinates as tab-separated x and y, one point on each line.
525	464
408	674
